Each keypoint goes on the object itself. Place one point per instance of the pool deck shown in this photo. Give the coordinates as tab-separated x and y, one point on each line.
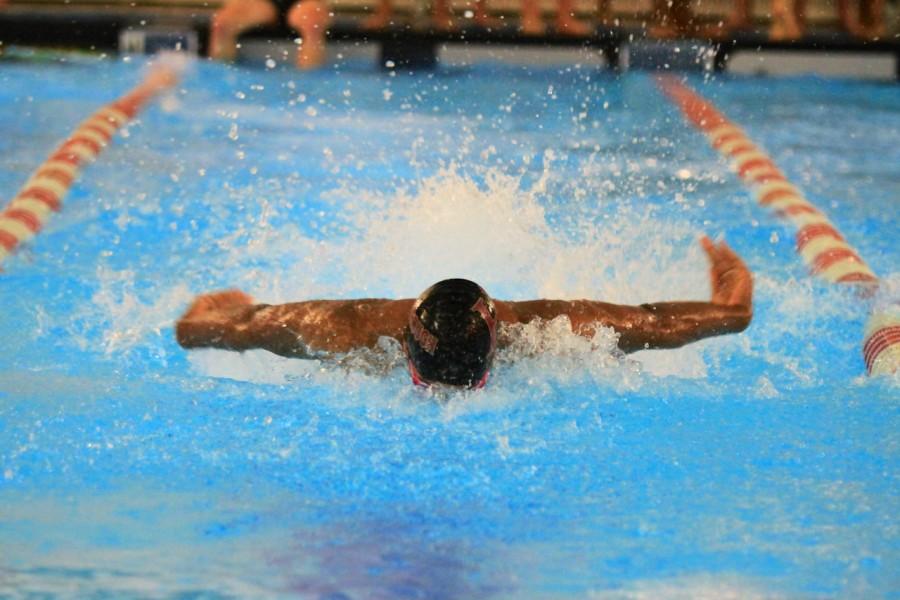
413	45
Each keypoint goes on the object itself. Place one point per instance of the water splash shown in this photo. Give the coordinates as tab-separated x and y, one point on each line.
129	314
487	226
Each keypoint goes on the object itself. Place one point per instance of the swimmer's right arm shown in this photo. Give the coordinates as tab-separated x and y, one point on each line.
230	320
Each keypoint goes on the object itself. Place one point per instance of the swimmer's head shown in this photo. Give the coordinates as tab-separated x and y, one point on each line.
451	335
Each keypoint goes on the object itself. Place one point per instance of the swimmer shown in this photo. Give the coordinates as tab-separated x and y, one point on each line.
310	18
450	332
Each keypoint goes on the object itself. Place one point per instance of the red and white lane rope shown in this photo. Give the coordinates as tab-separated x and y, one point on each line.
881	343
819	243
44	191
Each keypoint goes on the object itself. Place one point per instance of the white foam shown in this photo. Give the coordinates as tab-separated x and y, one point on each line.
257	366
695	587
493	232
887	299
130	316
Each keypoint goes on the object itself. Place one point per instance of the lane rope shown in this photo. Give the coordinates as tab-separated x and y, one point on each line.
819	243
43	192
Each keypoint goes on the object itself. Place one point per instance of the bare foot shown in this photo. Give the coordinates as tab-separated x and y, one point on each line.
566	24
235	17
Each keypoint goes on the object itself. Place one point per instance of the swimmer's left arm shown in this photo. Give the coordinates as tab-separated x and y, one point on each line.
228	320
657	325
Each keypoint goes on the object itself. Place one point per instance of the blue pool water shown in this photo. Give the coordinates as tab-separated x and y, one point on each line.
758	465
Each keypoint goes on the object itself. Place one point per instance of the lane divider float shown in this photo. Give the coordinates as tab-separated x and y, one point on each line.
881	343
43	192
821	246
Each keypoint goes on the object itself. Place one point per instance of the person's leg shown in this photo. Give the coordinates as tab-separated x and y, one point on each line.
742	16
442	16
382	16
741	19
845	18
871	17
483	17
604	13
531	21
800	17
784	21
848	19
566	23
235	17
662	20
310	18
682	17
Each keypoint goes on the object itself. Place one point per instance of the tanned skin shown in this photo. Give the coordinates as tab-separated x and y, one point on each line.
230	320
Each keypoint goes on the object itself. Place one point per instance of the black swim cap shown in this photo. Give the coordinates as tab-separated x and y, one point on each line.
451	334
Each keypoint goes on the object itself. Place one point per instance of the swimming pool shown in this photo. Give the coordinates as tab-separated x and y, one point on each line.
757	465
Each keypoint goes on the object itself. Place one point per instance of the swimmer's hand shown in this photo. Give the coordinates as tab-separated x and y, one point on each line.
209	319
732	284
